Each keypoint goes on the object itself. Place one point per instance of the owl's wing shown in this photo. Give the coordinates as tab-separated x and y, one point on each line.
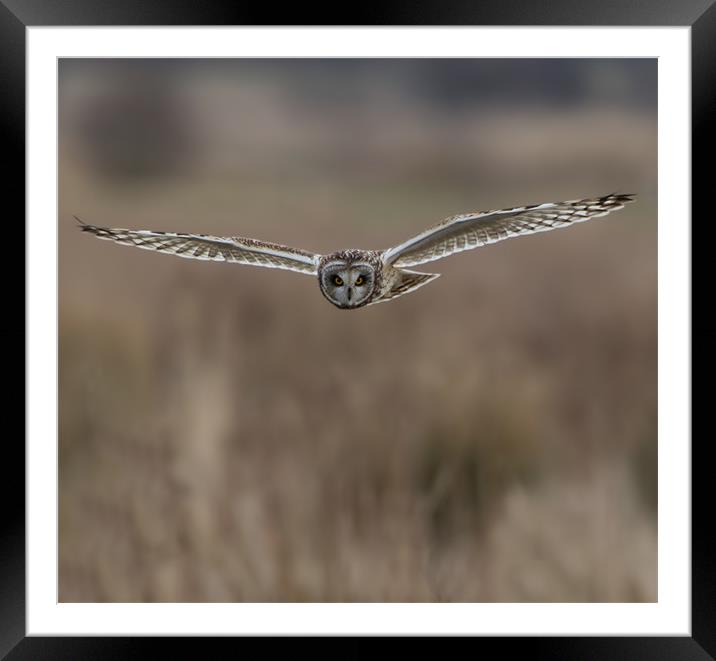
215	248
468	231
404	283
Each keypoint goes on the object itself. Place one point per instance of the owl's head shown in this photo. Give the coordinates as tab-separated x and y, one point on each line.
347	279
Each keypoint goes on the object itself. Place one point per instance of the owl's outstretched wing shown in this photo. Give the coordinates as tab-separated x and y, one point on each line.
468	231
215	248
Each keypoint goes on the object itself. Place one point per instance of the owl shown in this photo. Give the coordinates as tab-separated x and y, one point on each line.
351	279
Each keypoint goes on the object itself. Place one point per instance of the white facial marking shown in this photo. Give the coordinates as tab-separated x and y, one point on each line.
347	286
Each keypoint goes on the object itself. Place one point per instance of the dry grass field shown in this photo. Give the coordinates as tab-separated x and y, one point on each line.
227	435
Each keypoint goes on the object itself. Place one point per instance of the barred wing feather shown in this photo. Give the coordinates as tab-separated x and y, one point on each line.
472	230
238	250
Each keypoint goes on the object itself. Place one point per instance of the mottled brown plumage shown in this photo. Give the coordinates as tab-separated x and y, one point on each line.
353	279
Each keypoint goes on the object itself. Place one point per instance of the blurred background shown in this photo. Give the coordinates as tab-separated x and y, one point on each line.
228	435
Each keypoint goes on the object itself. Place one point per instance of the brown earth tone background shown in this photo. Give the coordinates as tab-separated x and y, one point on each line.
227	435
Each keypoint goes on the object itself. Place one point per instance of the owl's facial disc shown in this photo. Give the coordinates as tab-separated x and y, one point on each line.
347	285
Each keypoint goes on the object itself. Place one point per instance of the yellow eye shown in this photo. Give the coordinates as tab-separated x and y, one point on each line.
337	280
360	280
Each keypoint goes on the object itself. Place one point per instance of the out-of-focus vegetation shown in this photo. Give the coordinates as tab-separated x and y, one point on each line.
227	435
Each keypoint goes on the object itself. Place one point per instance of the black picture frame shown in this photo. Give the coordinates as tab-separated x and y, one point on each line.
700	15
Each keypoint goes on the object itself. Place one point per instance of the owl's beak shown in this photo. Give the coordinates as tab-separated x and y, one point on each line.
350	293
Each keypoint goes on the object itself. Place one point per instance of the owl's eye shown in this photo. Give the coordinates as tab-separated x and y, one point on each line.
337	280
360	280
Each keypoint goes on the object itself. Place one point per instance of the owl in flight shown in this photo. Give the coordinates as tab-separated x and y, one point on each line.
355	278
